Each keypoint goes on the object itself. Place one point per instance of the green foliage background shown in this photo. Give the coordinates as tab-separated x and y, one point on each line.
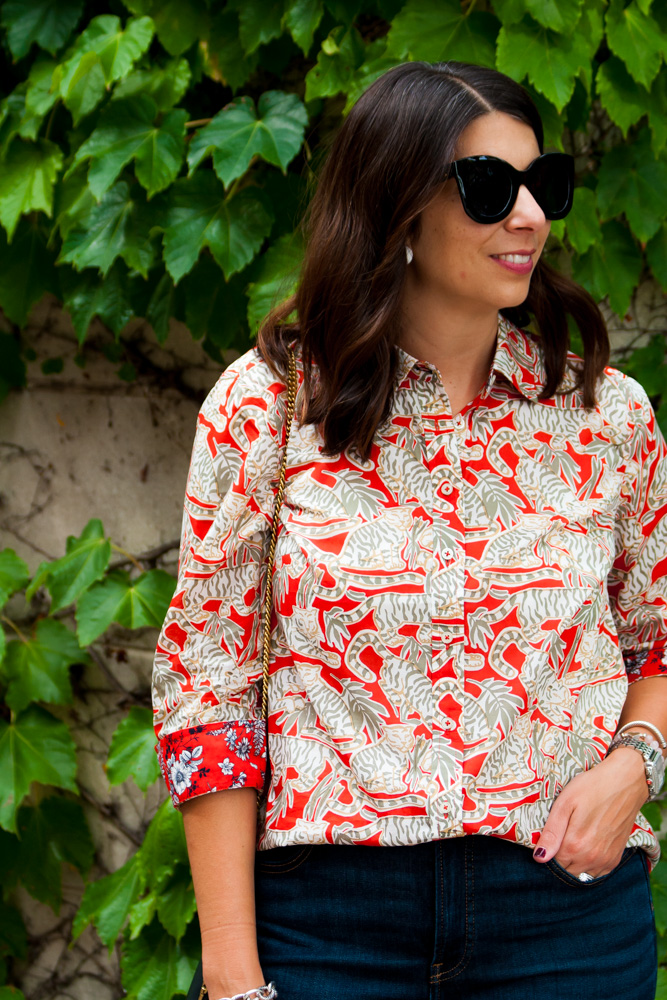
155	157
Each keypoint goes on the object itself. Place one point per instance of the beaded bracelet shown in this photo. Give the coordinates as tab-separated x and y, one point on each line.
662	743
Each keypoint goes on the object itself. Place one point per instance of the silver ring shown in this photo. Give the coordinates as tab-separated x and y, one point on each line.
585	877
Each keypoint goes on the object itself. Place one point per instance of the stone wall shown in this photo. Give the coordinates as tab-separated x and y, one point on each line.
85	444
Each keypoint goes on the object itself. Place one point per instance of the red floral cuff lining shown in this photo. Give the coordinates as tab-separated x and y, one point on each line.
213	757
646	663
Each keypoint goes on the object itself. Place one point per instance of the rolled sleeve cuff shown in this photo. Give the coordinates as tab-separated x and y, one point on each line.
212	758
646	663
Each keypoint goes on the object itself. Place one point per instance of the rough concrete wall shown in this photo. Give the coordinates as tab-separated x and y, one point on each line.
85	444
73	446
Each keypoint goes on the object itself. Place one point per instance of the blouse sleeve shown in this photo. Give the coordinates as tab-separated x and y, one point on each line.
206	712
638	580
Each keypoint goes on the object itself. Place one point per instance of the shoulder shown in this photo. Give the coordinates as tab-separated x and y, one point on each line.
246	384
624	404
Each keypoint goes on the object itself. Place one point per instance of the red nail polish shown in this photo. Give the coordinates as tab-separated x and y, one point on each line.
540	853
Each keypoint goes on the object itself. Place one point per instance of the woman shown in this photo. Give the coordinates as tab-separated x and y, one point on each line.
469	570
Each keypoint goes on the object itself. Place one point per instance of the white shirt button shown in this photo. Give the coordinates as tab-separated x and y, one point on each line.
448	554
460	421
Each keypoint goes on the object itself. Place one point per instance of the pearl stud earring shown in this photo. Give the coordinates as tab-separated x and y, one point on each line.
408	254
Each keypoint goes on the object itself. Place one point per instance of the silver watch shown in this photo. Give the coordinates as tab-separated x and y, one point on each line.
654	764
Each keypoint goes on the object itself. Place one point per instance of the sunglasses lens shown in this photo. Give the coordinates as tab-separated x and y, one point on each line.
487	187
552	184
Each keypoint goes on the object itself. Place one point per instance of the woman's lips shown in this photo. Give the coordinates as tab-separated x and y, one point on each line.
518	263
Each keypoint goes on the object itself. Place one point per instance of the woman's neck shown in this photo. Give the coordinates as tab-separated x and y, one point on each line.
459	342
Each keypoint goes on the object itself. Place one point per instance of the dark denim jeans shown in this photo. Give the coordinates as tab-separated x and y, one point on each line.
474	918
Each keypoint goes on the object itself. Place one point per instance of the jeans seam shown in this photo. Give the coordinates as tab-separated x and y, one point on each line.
457	969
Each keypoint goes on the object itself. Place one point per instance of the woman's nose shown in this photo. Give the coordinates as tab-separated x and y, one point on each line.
526	213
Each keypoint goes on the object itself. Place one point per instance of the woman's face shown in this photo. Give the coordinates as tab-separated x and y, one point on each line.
462	260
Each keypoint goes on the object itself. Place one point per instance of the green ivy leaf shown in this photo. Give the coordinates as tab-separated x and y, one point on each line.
127	131
85	296
118	48
208	297
131	603
657	113
73	200
259	22
560	15
647	365
102	54
35	747
276	278
164	303
14	574
376	62
16	120
164	847
13	938
85	561
239	132
178	25
155	967
583	224
632	181
661	985
611	267
341	55
40	95
656	255
345	11
107	902
433	32
166	85
117	227
625	101
659	893
132	752
302	19
141	914
81	84
26	180
637	39
176	906
550	61
224	58
652	812
234	228
552	120
47	23
27	270
37	669
55	831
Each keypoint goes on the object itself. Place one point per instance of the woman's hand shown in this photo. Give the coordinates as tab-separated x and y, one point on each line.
592	818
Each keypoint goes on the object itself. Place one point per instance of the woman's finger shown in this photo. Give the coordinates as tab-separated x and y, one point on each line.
554	830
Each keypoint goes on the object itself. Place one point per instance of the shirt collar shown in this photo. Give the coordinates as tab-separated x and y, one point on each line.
517	357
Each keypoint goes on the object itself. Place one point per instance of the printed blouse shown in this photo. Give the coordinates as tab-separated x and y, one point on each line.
456	619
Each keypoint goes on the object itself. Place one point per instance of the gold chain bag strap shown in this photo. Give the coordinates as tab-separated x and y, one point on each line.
268	592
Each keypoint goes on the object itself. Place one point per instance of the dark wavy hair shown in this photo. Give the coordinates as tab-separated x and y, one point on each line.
386	164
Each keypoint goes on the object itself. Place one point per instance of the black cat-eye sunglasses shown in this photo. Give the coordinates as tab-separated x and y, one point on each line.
489	186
